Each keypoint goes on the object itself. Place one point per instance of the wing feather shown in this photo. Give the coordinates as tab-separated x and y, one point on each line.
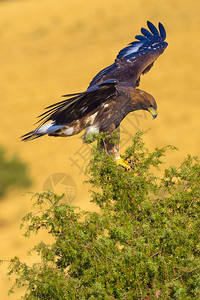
162	31
151	41
72	109
146	33
137	58
69	110
141	37
153	29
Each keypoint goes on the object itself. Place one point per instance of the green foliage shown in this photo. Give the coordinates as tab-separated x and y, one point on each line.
13	173
143	245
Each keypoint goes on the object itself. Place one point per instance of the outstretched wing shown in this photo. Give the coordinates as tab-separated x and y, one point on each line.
74	108
137	58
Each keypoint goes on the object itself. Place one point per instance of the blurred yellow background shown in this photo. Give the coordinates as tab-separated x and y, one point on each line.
49	48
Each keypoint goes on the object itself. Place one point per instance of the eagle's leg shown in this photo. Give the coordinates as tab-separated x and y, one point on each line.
111	146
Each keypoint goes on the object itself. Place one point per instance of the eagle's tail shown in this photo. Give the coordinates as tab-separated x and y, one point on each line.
40	131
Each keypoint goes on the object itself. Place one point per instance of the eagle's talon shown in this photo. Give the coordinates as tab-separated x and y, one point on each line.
120	161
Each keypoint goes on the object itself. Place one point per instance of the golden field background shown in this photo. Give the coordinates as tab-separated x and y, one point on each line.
49	48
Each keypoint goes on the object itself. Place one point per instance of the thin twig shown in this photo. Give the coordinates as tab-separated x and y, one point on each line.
187	272
156	253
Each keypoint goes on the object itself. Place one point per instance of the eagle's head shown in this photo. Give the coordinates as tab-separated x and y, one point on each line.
145	101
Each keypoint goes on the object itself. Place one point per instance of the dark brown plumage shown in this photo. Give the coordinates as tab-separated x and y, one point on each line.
111	95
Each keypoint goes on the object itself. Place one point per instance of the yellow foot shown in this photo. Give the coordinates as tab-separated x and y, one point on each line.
122	162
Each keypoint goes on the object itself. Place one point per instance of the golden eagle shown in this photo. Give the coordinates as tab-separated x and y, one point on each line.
111	95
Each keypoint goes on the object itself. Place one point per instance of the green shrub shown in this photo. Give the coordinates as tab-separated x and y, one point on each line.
13	173
142	245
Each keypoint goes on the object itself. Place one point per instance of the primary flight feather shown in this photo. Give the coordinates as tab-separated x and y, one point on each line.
111	95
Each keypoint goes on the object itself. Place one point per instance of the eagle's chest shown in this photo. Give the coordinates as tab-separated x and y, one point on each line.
111	114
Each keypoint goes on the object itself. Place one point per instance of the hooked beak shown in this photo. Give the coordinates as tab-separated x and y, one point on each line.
153	112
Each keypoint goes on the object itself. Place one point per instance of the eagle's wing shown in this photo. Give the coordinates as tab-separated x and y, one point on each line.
137	58
74	108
